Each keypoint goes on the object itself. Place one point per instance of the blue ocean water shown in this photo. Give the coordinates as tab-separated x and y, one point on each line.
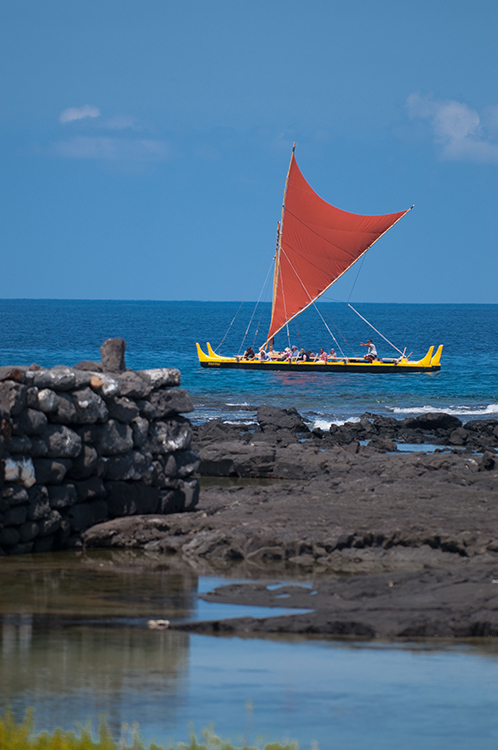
160	334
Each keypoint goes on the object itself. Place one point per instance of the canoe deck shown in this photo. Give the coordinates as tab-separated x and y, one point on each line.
429	363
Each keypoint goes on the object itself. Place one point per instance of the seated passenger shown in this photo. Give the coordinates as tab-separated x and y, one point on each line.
332	355
249	353
263	356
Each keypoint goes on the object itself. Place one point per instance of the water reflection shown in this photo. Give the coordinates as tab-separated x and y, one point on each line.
74	636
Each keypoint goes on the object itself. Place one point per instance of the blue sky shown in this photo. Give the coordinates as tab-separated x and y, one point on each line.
144	145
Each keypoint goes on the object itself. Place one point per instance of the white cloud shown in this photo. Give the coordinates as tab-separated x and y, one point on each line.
458	129
79	113
116	149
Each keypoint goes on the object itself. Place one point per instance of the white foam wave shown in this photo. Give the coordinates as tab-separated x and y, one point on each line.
324	424
238	422
457	411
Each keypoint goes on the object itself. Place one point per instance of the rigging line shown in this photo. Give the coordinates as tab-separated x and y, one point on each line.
328	329
376	331
356	279
228	329
255	307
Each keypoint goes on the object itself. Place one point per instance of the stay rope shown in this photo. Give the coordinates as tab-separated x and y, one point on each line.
376	331
255	308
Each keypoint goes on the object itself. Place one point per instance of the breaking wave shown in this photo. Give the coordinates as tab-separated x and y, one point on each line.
457	411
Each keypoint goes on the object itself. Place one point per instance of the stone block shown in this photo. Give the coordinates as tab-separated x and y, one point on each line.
48	401
28	531
114	438
62	442
15	516
130	498
39	447
182	496
62	496
16	373
170	435
59	378
105	385
140	427
32	398
30	422
100	511
63	534
90	407
12	398
166	402
187	463
51	471
85	464
66	410
39	508
90	489
131	465
9	536
147	410
50	523
162	376
112	353
20	470
15	495
19	444
123	409
80	517
171	501
133	385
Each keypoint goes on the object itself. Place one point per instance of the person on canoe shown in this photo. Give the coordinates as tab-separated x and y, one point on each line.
372	351
249	353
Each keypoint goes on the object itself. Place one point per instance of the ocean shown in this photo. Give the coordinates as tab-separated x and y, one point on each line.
164	334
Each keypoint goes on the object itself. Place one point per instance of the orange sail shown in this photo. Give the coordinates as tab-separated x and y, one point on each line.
317	243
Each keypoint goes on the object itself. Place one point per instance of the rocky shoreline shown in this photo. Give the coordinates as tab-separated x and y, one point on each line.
398	545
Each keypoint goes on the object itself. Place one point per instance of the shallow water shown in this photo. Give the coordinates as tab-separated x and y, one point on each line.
75	645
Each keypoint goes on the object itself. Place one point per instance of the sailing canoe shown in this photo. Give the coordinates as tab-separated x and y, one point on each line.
316	244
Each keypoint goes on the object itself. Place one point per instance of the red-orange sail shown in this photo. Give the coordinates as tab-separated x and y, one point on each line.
317	244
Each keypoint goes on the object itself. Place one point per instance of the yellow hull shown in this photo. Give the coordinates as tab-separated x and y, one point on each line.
429	363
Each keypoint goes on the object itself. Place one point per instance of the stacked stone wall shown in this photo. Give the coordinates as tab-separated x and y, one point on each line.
80	446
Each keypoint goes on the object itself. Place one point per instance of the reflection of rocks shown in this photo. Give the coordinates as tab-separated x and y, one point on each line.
433	603
77	628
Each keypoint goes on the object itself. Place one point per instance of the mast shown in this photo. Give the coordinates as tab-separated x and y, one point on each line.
279	237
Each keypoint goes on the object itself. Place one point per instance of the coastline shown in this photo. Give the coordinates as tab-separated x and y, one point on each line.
398	545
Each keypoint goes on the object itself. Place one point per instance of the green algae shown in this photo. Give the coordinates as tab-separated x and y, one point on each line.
21	736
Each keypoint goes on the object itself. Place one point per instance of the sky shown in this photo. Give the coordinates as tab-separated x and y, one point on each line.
144	145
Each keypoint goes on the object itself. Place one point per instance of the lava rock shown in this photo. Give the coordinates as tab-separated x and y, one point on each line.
112	353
